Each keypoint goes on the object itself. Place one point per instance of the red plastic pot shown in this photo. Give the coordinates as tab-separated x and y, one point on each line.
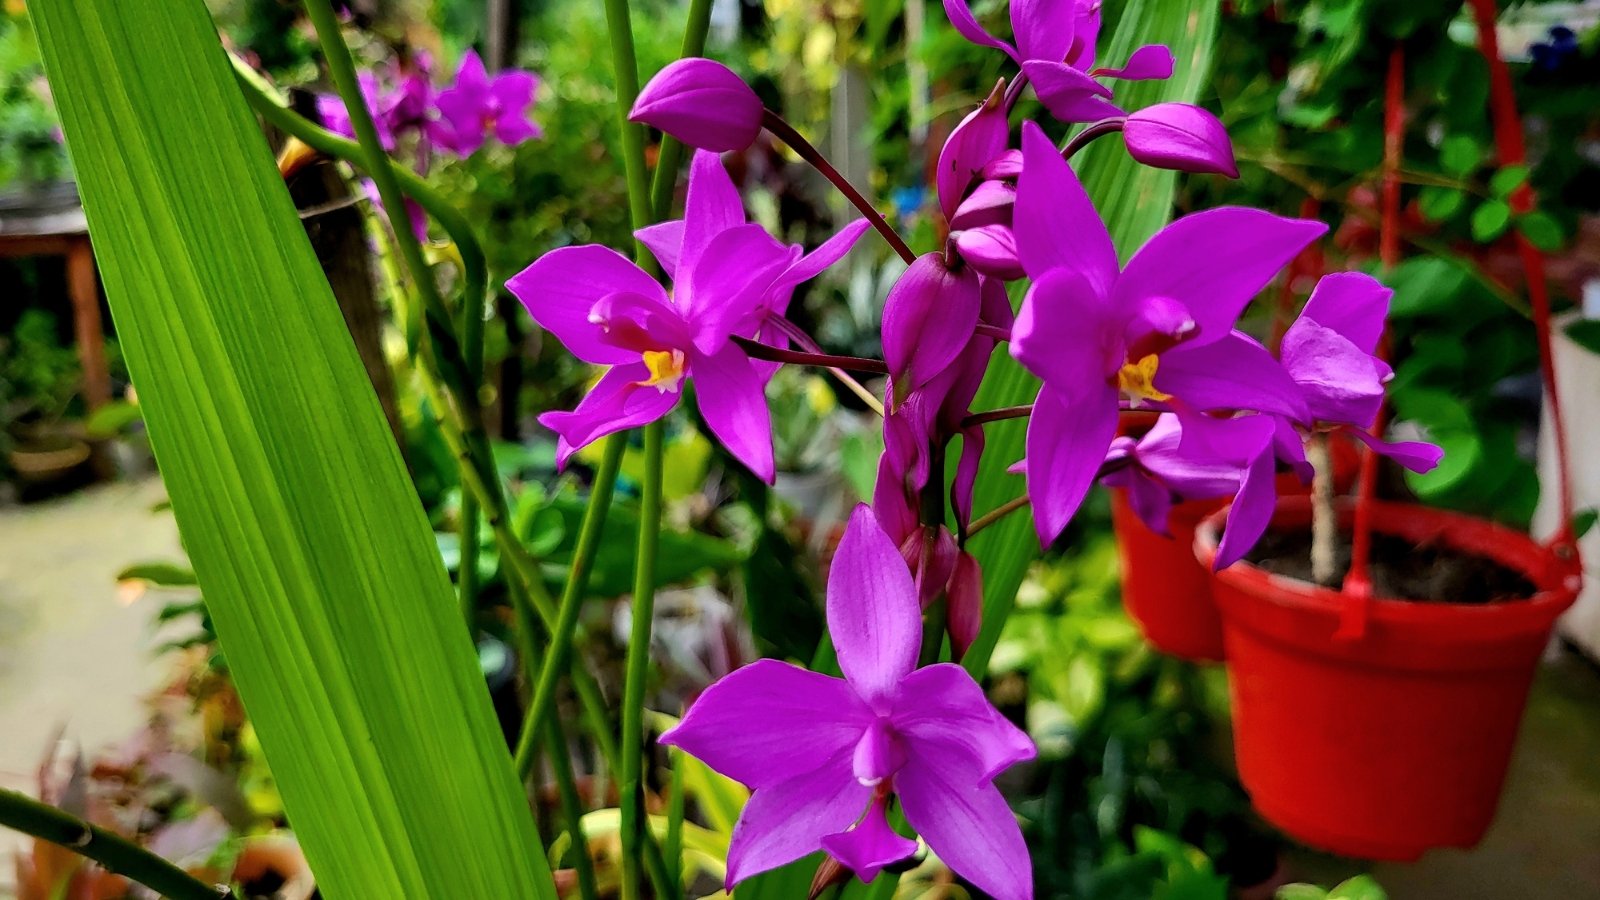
1396	742
1164	588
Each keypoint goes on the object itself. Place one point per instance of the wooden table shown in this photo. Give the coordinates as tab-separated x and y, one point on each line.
65	233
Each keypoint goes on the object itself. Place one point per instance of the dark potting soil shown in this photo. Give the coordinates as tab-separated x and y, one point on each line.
1419	572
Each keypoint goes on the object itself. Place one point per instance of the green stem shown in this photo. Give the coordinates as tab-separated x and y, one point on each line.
672	847
467	569
571	806
45	822
670	154
474	266
632	747
566	623
625	67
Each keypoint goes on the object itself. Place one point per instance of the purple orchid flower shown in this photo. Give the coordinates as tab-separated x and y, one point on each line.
1160	330
1155	467
607	311
1330	353
824	755
702	103
1055	46
477	106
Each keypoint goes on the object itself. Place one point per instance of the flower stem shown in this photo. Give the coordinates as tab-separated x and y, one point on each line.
998	415
566	624
632	747
758	350
996	514
798	335
993	331
571	807
1324	518
670	153
1088	135
797	142
118	855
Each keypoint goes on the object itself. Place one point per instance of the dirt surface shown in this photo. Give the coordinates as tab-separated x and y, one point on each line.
1422	573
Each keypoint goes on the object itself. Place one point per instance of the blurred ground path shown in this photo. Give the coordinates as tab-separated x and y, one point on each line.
73	656
1545	841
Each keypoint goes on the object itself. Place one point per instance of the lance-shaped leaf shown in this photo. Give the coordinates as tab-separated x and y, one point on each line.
315	558
1135	201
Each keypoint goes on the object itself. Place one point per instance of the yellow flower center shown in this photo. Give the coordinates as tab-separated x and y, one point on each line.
666	369
1138	379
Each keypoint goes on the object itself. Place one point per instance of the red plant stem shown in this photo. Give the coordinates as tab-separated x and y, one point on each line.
804	341
1358	582
758	350
797	142
994	331
1014	91
1088	135
1512	151
997	415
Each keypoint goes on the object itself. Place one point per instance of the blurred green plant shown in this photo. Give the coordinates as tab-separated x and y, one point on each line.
1137	798
31	149
1361	887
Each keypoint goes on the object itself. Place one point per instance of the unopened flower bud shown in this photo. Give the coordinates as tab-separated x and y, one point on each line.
1182	137
702	103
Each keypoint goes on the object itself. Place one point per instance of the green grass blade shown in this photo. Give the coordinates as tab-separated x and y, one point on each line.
316	561
1135	201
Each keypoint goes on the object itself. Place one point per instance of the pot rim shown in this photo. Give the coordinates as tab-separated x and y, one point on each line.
1556	582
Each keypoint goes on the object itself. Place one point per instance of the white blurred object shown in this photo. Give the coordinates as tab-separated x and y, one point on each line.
1578	380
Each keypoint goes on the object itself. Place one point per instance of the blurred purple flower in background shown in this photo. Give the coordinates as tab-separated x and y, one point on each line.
478	106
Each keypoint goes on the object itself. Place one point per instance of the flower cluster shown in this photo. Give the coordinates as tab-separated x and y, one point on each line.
409	111
829	758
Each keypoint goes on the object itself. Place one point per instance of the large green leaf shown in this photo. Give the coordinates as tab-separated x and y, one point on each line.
1135	201
312	551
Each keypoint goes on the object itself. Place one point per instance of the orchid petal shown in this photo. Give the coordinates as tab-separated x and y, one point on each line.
960	16
962	486
1250	513
980	137
1181	137
733	401
665	242
872	610
967	824
1085	36
991	249
1215	262
1152	62
1060	332
941	709
870	845
1352	303
990	203
471	76
561	287
712	207
930	314
964	603
788	820
1070	94
1341	382
722	290
1056	224
1233	373
702	103
617	402
1043	29
819	260
1418	456
1151	501
1067	440
769	722
1185	472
